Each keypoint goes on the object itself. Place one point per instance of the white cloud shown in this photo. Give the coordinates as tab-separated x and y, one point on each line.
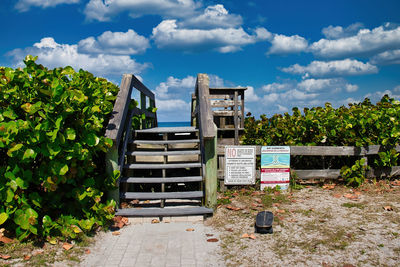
25	5
333	85
52	54
120	43
174	87
332	68
270	98
337	32
282	44
387	57
282	108
365	42
275	87
213	17
250	95
168	35
103	10
377	96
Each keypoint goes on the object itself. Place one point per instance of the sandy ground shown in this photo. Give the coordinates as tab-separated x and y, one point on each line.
315	226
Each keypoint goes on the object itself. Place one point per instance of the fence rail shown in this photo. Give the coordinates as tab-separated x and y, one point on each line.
323	151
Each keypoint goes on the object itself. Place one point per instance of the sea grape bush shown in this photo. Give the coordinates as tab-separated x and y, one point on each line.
52	147
359	124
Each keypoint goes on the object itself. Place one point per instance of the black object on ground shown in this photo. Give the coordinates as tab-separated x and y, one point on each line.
264	221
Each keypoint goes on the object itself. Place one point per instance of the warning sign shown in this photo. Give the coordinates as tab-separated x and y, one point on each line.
240	165
275	166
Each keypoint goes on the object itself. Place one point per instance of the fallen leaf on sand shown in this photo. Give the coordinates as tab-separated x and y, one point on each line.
87	251
5	240
116	233
5	257
276	204
68	246
209	234
351	196
324	264
27	257
280	211
337	195
251	236
190	230
233	208
395	183
388	208
329	186
293	200
212	240
348	265
155	221
124	205
229	229
37	252
135	201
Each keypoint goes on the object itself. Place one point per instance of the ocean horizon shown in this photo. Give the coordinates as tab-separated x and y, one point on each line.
173	123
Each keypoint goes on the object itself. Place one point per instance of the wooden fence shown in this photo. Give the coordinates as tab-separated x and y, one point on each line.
323	151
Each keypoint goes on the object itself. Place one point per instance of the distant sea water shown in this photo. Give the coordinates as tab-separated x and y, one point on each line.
173	123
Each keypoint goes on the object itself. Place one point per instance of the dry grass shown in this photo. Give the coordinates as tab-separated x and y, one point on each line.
314	226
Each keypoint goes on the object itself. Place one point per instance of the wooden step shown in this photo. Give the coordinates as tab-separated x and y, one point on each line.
155	212
163	166
164	153
168	130
152	180
166	142
161	195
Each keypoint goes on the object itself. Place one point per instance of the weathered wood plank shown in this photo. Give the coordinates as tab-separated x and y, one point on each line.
183	129
224	103
326	150
116	123
235	118
165	142
162	195
219	89
163	166
211	166
141	87
156	212
223	112
225	96
139	180
206	120
332	173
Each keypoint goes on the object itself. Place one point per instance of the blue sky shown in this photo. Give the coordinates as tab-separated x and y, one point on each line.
288	52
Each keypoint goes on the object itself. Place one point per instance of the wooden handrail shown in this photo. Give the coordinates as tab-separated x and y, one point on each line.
119	128
115	127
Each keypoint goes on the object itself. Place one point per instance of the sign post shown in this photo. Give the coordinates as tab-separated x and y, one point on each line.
240	165
275	166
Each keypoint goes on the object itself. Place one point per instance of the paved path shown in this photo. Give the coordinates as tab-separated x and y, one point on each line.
159	244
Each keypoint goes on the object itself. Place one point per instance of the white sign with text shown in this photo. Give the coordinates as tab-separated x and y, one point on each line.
240	165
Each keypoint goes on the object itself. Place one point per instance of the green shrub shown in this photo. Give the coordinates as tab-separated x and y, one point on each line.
52	147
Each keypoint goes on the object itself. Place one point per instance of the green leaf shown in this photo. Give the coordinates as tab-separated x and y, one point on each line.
10	195
3	217
11	151
71	135
29	153
10	114
21	183
64	170
92	139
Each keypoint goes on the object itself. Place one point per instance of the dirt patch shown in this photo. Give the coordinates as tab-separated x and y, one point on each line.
315	226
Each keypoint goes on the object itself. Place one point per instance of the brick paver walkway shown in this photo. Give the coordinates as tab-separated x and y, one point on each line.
159	244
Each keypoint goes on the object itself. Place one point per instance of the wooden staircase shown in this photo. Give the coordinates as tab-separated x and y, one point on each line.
162	174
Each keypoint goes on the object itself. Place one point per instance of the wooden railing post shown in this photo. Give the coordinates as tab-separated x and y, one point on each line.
208	139
211	167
